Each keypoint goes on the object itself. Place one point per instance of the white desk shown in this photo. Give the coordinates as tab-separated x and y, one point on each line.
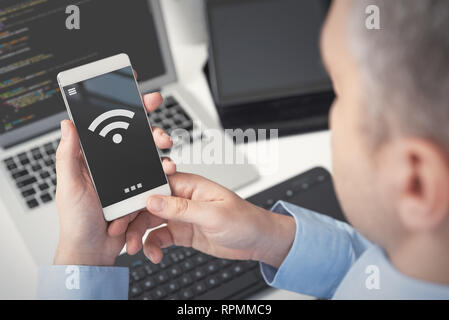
18	273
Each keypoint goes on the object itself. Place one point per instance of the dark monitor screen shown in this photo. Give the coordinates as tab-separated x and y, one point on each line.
264	49
35	45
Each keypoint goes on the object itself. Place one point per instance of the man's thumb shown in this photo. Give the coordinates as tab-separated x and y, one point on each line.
67	156
175	208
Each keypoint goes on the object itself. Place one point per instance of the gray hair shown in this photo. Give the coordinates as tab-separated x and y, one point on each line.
405	67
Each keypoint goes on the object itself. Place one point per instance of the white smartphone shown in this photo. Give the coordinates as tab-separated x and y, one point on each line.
104	102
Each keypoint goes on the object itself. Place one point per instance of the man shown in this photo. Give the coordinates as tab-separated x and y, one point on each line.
390	147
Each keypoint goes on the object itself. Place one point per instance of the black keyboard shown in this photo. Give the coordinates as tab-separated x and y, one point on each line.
34	171
185	273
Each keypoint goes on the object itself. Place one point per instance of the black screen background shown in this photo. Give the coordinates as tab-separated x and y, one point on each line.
115	167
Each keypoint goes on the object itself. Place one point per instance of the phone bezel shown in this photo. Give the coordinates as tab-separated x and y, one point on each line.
92	70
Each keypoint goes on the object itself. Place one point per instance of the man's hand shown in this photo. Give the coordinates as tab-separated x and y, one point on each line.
85	237
208	217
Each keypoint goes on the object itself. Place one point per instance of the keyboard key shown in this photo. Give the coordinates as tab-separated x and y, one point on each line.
177	256
212	282
189	252
8	161
199	287
50	152
28	193
186	280
200	259
151	269
212	267
187	265
135	290
26	182
25	161
49	162
32	203
44	174
165	262
225	275
186	293
46	198
11	166
138	274
172	286
36	167
146	296
20	174
149	283
53	181
159	293
237	269
44	186
169	102
198	274
162	277
175	271
37	155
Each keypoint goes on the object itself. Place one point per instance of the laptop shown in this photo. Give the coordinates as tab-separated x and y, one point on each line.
36	46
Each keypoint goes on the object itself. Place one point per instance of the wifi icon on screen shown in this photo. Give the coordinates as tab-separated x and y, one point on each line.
117	138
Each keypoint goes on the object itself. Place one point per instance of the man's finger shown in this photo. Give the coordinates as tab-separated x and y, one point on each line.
68	167
118	227
157	240
152	101
169	166
137	229
162	139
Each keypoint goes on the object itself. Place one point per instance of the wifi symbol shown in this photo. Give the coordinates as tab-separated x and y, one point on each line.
117	138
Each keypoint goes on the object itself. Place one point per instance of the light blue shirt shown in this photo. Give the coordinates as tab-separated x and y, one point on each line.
328	259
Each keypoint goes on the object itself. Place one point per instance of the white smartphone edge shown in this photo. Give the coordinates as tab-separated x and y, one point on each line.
92	70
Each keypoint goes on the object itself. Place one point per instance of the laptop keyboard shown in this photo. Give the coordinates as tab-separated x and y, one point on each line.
34	171
34	174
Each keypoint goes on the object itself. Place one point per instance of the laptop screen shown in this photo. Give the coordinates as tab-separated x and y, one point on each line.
36	44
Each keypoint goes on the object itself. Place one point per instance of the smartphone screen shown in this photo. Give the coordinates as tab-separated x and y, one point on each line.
115	136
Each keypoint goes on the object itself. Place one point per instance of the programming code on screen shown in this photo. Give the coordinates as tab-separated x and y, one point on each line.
35	46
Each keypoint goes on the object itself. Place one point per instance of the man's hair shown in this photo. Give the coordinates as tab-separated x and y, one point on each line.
405	67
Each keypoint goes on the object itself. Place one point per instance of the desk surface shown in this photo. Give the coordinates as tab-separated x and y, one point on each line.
18	272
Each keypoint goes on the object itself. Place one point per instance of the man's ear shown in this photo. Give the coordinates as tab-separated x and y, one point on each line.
424	188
